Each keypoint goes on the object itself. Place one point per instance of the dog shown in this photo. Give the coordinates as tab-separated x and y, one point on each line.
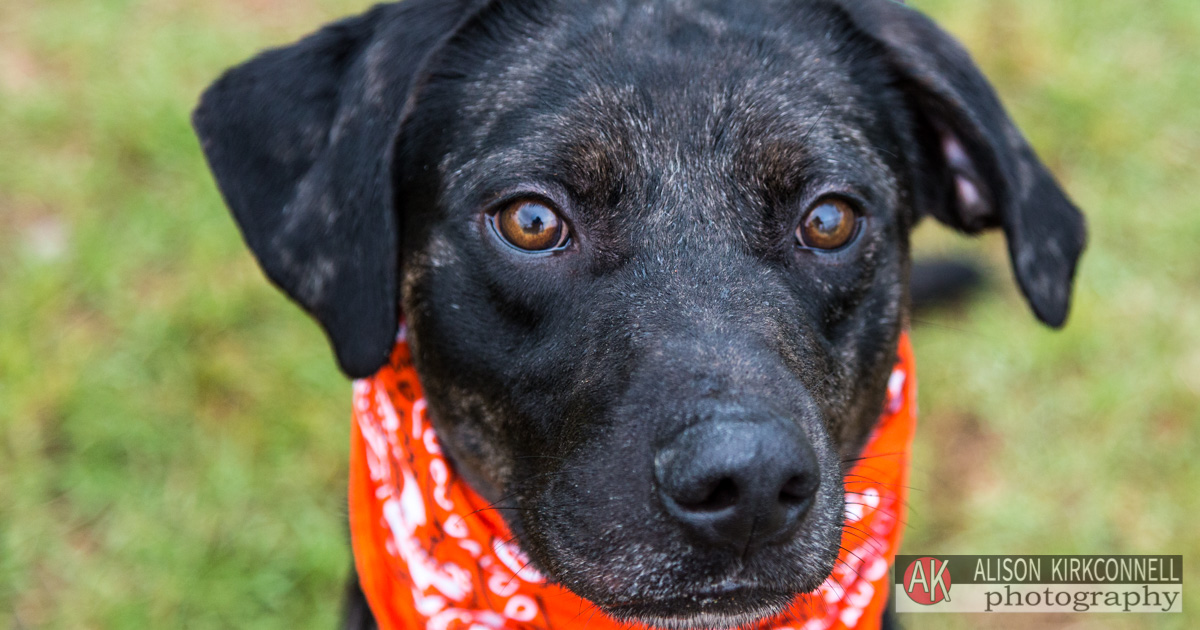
626	233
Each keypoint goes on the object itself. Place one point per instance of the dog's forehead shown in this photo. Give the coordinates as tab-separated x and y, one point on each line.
686	98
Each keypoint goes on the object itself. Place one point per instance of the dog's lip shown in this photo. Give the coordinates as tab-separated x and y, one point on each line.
745	602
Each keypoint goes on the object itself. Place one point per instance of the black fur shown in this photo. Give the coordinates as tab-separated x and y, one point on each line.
937	282
682	141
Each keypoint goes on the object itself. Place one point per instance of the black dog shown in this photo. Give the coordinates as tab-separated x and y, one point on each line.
621	232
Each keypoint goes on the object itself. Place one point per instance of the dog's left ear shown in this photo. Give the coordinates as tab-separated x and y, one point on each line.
976	169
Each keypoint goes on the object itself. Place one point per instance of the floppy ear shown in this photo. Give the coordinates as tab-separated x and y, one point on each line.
979	172
300	142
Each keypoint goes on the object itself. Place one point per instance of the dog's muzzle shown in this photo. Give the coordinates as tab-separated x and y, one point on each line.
430	555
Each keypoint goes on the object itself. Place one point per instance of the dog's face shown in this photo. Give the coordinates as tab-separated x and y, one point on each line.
652	257
681	301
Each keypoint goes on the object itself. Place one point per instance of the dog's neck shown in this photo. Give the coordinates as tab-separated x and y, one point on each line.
430	555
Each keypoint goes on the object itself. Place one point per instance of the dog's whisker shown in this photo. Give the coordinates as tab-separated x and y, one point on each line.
518	572
876	456
856	557
877	545
875	482
869	468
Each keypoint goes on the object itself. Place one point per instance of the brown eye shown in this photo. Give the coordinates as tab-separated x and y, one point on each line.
531	226
830	224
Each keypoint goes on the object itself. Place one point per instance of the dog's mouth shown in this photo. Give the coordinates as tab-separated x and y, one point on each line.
730	560
729	605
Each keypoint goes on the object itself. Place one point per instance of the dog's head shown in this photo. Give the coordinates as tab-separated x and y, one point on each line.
653	256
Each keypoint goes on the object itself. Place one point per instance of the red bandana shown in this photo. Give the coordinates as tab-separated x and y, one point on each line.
429	556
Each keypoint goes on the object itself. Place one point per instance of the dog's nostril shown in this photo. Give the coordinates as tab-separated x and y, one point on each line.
722	495
796	490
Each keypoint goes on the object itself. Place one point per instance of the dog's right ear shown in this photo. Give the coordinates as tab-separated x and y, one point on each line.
300	142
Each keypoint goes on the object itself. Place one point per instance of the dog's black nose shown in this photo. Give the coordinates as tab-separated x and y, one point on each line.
738	483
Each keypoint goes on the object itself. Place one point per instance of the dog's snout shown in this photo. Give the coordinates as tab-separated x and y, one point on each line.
738	484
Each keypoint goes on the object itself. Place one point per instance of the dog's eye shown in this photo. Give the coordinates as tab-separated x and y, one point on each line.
829	224
531	226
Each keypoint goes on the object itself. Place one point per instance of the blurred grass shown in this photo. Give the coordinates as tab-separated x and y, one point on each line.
173	432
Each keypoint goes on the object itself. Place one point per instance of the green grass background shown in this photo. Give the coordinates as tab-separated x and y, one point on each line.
173	432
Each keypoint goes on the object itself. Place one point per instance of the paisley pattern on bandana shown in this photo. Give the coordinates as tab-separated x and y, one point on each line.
429	556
